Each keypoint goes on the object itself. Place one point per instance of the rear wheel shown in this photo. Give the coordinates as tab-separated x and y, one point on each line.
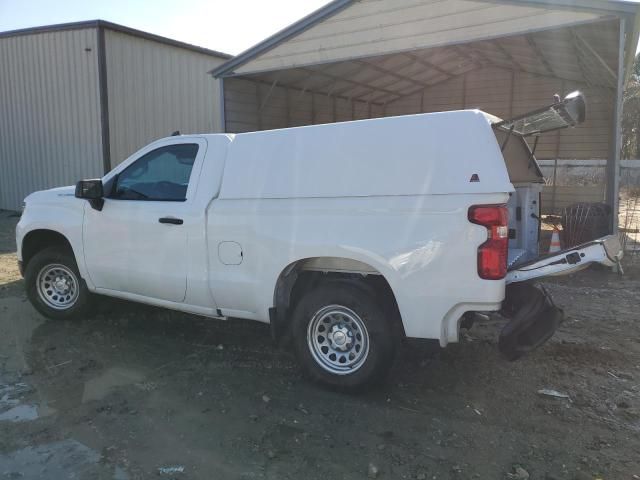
54	286
342	337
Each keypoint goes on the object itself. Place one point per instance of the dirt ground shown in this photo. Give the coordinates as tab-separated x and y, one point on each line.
138	392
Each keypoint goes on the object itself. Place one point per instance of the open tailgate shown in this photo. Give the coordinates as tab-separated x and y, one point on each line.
532	314
605	251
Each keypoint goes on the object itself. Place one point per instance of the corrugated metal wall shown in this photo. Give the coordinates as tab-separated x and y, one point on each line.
251	106
254	106
49	112
155	89
505	94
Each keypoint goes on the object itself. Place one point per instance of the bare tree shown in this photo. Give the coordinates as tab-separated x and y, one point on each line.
631	115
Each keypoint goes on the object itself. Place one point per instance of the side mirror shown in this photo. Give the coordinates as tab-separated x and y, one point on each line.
91	190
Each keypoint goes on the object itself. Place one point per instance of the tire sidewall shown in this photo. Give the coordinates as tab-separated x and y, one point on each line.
362	302
39	261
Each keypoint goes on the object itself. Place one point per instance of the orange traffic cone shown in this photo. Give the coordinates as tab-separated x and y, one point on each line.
555	241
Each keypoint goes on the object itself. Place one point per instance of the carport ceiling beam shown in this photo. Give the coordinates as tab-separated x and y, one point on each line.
596	55
296	88
395	75
305	83
581	65
322	88
506	54
353	82
431	85
266	99
460	51
351	91
487	60
383	98
366	81
427	64
592	74
540	56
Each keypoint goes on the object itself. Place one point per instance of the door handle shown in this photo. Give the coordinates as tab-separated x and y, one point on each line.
171	220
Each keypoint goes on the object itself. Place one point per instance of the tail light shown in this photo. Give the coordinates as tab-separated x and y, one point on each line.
492	254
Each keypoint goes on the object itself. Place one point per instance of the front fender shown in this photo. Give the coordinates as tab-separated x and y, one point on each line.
57	212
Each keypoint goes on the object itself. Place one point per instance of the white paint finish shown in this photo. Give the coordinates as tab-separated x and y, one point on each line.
419	239
410	155
50	112
149	258
374	27
413	241
199	299
56	209
412	236
230	253
155	89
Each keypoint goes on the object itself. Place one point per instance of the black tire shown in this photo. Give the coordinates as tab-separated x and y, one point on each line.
355	298
37	265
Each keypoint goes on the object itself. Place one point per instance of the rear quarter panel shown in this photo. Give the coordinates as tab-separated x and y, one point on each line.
423	245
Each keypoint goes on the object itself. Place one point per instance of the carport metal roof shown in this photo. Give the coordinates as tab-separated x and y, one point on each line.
395	49
379	51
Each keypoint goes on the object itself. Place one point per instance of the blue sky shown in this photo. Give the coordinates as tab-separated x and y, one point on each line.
227	26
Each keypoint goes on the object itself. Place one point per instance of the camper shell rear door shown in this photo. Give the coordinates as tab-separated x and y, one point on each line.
607	251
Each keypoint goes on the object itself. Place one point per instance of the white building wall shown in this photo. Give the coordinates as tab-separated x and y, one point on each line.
49	112
155	89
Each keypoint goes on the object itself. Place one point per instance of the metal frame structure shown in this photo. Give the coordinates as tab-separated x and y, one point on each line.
104	99
115	27
613	163
379	80
101	26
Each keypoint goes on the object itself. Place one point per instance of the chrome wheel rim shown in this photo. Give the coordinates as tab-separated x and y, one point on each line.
58	286
338	339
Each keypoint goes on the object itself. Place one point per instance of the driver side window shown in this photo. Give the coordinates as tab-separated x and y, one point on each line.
160	175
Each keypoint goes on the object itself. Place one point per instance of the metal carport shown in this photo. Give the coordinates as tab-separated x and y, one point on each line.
369	58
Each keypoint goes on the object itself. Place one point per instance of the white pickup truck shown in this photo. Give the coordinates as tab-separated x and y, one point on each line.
345	237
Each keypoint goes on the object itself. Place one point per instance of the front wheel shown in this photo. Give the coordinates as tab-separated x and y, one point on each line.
54	286
342	337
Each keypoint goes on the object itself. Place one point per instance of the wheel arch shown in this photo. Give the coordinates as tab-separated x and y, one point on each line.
37	240
303	274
